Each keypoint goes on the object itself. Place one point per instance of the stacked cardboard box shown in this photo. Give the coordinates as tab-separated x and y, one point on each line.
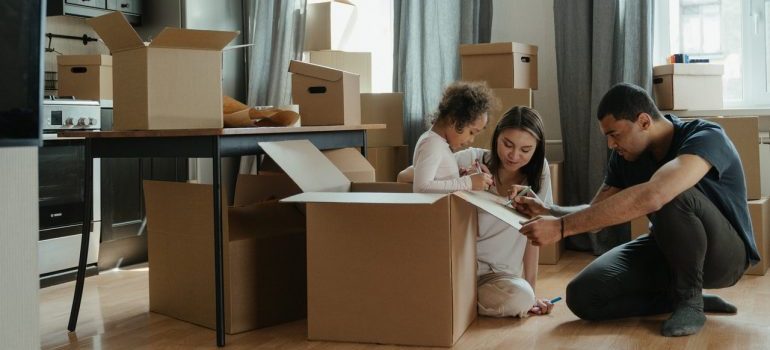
508	98
386	150
86	77
680	86
354	62
325	96
759	210
550	254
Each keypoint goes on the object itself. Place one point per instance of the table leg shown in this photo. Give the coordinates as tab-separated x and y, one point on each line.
218	244
86	232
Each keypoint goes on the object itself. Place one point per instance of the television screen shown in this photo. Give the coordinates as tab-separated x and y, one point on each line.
21	72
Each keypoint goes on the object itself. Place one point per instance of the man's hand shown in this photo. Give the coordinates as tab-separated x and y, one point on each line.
542	230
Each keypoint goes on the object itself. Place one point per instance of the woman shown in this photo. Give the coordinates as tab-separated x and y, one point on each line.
507	264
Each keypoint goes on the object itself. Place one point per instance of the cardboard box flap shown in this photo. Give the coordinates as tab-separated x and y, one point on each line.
352	163
307	166
688	69
116	32
365	198
494	205
193	39
84	60
497	48
316	71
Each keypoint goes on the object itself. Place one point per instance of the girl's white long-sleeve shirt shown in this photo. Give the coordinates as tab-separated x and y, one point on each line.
435	167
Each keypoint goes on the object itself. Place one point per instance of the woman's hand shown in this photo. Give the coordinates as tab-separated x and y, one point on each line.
541	307
481	181
527	204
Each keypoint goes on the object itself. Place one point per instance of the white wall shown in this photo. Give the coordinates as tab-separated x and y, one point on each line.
19	318
531	22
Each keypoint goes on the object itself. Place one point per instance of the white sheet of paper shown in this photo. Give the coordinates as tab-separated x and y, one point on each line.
494	205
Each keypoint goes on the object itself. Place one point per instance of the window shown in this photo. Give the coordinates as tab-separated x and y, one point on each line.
729	32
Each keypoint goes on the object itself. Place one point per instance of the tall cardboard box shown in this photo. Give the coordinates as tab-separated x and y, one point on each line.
550	254
325	96
355	62
175	82
388	268
328	25
388	109
86	77
264	253
508	98
501	65
744	133
688	86
388	161
759	210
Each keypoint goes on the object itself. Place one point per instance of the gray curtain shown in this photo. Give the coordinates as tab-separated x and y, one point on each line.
427	36
598	43
276	28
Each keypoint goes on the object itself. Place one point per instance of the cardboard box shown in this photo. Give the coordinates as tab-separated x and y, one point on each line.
352	164
87	77
325	96
384	108
744	133
501	65
508	98
175	82
354	62
550	254
328	25
389	268
688	86
760	222
264	255
639	226
388	161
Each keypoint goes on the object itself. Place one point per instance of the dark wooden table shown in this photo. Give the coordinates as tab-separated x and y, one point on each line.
197	143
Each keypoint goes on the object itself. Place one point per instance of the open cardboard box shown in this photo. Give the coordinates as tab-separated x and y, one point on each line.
392	268
264	253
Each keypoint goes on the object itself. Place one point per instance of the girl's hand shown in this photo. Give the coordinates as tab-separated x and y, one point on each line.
481	181
541	307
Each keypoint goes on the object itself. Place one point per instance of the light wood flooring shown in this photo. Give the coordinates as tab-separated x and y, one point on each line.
114	315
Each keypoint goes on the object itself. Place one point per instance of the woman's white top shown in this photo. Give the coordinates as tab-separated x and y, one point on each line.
435	167
500	247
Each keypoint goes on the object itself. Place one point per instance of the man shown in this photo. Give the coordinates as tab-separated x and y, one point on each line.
688	179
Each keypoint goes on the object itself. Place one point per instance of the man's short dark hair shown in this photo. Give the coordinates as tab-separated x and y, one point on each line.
626	101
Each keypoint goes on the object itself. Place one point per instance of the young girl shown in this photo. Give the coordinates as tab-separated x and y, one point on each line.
507	263
461	115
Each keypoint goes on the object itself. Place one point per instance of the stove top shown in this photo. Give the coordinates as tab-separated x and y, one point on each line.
68	113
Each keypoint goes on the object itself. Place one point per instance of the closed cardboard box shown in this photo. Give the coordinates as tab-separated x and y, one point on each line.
508	98
500	65
760	222
264	254
388	161
388	268
384	108
86	77
175	82
695	86
354	62
325	96
550	254
328	25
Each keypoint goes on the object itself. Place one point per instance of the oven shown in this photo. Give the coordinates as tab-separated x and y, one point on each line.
61	165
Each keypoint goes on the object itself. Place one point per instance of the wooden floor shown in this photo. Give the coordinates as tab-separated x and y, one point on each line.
115	316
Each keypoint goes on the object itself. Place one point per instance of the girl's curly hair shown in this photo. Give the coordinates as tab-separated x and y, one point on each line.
463	102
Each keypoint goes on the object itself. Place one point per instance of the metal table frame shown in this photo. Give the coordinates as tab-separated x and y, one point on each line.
213	146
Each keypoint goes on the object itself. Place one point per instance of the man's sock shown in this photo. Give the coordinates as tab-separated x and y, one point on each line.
687	318
713	303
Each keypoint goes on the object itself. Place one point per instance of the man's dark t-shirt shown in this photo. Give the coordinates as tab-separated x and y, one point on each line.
724	184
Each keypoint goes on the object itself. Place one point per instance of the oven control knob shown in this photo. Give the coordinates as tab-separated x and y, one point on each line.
91	121
68	121
82	121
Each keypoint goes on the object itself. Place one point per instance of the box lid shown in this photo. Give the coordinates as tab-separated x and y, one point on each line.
493	205
84	60
116	32
688	69
316	71
193	39
365	198
497	48
307	166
